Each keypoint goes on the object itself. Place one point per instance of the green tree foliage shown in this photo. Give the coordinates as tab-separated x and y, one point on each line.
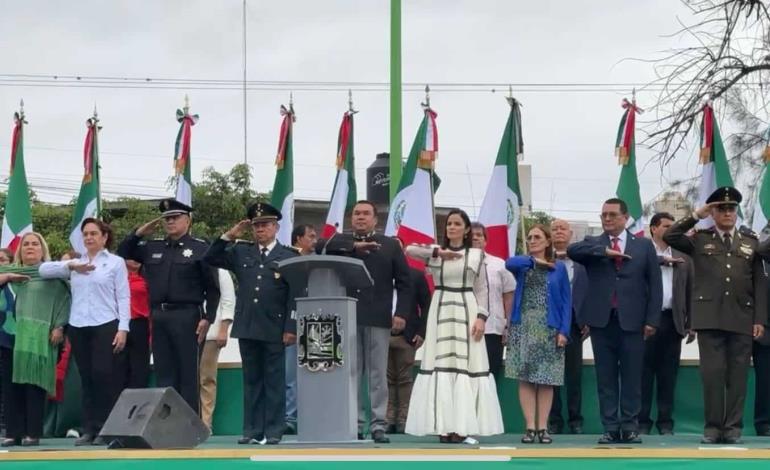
219	199
534	218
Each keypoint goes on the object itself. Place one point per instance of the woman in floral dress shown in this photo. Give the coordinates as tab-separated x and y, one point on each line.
540	325
454	395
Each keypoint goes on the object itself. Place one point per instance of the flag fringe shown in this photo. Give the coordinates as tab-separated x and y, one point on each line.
766	154
705	155
426	159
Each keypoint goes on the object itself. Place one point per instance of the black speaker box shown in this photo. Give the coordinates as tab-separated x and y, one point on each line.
153	418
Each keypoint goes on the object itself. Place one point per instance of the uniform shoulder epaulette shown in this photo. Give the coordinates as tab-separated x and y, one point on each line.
243	242
142	242
293	249
199	240
748	232
159	239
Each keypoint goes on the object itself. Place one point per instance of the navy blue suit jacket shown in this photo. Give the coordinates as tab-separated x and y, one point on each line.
579	292
638	282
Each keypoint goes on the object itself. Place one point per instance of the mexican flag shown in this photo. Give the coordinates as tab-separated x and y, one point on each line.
344	191
283	187
182	156
18	215
501	209
411	211
713	158
89	200
762	204
628	185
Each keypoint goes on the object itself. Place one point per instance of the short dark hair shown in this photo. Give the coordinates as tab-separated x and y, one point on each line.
104	228
299	232
366	201
620	202
479	226
466	221
659	216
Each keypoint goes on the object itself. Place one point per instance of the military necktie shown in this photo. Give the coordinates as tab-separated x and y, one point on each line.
727	241
264	253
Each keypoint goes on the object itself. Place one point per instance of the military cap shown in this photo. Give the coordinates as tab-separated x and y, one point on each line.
171	206
262	212
725	195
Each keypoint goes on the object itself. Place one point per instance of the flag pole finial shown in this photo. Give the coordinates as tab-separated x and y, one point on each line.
350	100
186	108
96	115
427	96
510	92
633	95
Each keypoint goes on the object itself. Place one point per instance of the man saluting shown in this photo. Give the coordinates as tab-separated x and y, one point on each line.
264	319
729	308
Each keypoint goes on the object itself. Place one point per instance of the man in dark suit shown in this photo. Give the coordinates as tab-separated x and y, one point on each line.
561	236
760	356
375	313
264	320
663	350
729	307
401	351
622	310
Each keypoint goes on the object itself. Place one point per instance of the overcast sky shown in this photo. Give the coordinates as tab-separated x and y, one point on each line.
569	136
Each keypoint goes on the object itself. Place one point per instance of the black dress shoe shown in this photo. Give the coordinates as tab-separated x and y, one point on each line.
709	440
361	436
99	441
763	432
631	437
576	429
732	441
379	437
272	441
644	430
290	429
248	440
391	429
84	440
609	438
666	432
30	442
554	428
9	442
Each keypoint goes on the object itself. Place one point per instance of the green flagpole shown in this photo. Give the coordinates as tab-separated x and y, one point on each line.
395	96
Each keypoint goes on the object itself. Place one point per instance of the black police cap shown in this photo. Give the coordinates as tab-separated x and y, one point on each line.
171	206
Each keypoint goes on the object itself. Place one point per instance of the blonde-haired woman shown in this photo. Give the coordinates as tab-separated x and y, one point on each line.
41	312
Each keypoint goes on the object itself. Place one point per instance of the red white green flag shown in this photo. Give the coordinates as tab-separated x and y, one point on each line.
501	209
713	159
283	187
89	199
411	214
762	204
182	155
18	214
628	185
344	191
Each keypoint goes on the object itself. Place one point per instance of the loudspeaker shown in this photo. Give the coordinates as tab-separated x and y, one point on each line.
153	418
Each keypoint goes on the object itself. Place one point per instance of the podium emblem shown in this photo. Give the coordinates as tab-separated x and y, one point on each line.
319	342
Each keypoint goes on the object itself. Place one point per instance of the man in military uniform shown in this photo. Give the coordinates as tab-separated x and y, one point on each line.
179	282
264	319
729	308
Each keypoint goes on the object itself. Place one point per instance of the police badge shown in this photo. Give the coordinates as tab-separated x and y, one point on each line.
319	342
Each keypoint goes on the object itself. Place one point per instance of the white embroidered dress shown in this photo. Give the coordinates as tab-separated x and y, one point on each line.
454	391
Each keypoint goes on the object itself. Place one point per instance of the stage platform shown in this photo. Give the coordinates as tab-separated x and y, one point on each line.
403	453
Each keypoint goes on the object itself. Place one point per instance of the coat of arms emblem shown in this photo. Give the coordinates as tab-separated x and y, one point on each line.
319	342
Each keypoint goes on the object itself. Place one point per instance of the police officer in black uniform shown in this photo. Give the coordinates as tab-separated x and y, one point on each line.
264	319
179	281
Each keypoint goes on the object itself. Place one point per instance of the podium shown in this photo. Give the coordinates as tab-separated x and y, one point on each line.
327	371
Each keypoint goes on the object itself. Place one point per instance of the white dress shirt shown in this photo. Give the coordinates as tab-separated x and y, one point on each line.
499	281
98	297
621	240
667	274
269	247
226	309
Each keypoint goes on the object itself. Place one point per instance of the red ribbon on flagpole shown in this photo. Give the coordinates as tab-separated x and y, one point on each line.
707	134
346	128
283	138
88	151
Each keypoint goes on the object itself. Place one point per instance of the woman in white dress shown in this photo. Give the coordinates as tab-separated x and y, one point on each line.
454	395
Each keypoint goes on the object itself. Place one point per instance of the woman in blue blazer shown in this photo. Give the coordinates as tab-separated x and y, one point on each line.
539	328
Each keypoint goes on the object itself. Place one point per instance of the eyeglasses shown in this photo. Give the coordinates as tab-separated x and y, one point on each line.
609	215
